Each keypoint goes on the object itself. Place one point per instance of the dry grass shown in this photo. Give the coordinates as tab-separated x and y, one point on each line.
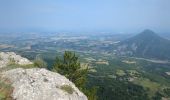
5	89
67	88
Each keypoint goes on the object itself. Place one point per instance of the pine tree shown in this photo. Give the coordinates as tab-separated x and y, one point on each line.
69	66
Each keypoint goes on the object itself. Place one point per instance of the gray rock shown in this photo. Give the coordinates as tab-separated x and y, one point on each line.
36	83
41	84
7	57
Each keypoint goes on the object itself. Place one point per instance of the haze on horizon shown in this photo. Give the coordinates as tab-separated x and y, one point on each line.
84	15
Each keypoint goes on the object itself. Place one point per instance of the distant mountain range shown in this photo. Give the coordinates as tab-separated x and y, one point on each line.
146	45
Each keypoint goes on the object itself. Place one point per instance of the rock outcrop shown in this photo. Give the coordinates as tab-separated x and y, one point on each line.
8	57
39	83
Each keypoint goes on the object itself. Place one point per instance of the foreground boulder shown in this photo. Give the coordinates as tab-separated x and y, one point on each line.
41	84
36	83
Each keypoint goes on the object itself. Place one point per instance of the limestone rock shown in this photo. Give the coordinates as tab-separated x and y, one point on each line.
8	57
37	83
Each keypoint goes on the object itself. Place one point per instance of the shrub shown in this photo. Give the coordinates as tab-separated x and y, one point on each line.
67	88
5	89
40	63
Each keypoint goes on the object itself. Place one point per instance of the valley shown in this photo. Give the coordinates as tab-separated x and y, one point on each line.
135	77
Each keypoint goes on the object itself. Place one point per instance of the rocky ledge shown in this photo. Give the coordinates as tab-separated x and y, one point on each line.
7	57
40	84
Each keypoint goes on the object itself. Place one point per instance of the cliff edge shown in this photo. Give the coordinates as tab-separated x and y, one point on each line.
37	83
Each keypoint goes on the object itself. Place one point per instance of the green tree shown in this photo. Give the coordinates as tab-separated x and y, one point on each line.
70	66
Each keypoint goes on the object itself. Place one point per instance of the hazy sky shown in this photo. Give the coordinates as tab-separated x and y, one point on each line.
85	15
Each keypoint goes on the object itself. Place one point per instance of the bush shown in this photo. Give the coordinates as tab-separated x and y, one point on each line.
40	63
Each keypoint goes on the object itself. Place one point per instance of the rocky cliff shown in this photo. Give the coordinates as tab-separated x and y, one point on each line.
37	83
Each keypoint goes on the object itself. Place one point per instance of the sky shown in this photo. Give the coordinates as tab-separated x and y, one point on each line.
123	16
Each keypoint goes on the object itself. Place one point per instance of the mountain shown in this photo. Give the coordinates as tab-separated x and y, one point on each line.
147	44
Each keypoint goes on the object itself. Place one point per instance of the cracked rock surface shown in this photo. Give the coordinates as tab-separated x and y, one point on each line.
40	84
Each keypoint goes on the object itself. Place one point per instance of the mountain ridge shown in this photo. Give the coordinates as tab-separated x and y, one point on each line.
147	44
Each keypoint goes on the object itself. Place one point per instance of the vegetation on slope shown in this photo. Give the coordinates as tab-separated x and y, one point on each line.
69	66
5	89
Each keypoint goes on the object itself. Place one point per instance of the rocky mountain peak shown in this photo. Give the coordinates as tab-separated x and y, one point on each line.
146	44
148	33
